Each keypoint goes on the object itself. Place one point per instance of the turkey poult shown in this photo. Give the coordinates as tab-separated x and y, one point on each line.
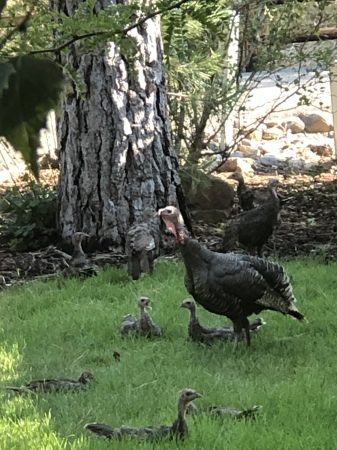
178	429
253	228
246	196
198	333
224	412
79	263
143	326
55	384
231	285
140	246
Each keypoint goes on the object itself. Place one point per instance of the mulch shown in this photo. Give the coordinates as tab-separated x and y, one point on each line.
309	227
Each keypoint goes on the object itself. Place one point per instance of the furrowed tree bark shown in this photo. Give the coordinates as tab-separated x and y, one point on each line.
116	155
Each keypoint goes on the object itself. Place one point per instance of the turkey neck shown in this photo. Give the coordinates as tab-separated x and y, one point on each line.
194	254
144	316
193	317
273	197
78	251
179	426
242	187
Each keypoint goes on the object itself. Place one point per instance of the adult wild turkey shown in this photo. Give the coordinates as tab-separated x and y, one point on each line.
140	245
198	333
246	196
224	412
143	326
232	285
55	384
253	228
178	429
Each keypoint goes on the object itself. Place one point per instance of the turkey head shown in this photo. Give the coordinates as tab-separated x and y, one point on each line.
174	222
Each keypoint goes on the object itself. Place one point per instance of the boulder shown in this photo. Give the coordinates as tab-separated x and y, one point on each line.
318	122
271	123
249	148
273	133
294	124
269	160
210	202
321	149
242	165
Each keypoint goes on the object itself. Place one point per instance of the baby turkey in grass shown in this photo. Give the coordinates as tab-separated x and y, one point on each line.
198	333
178	429
225	412
55	384
143	326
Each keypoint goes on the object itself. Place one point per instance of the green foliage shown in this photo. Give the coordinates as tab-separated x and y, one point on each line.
2	5
46	331
204	73
28	217
30	88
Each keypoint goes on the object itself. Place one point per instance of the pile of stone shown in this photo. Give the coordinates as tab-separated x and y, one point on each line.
297	143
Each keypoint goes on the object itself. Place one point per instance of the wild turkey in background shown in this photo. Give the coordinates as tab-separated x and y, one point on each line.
198	333
140	245
246	196
143	326
178	429
253	228
55	384
225	412
232	285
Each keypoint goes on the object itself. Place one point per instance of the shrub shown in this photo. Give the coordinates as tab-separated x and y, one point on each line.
28	216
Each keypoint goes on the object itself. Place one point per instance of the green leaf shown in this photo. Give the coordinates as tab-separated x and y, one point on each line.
33	89
2	5
6	69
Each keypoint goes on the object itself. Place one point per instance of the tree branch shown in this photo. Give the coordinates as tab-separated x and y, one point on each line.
100	33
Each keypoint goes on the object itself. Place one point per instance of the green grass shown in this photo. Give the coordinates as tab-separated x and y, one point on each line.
46	331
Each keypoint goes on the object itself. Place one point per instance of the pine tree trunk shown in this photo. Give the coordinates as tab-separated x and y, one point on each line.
116	155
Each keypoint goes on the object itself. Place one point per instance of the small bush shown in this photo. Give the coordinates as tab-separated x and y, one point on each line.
28	217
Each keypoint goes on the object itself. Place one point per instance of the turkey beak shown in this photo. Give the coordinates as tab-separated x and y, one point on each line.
197	395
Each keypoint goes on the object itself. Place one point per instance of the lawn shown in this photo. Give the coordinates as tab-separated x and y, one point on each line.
48	329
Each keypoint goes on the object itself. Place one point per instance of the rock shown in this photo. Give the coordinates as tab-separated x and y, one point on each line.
242	165
321	150
318	122
287	153
212	203
269	160
271	123
300	164
271	147
237	154
273	133
255	134
249	148
294	124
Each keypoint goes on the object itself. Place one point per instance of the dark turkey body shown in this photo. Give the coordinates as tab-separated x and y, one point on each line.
235	285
